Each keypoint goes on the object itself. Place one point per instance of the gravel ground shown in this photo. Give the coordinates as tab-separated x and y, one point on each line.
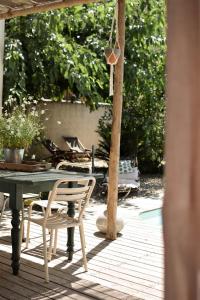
150	185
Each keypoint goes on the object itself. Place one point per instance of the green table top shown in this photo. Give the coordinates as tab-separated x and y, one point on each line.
38	177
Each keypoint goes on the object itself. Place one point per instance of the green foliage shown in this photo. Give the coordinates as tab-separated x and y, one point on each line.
59	55
104	130
144	101
142	132
18	129
14	69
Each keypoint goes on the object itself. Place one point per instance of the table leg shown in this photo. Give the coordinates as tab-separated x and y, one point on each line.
70	232
15	237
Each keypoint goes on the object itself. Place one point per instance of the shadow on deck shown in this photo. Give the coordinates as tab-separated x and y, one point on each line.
129	268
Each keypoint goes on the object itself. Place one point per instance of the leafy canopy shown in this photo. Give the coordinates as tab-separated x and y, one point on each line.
59	54
142	133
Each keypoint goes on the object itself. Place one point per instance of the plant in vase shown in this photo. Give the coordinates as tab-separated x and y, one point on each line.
17	132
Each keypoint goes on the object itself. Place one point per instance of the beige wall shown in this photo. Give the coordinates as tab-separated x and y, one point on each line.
72	119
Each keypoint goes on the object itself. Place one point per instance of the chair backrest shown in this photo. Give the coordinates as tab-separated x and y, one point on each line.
76	190
126	168
74	143
127	172
51	146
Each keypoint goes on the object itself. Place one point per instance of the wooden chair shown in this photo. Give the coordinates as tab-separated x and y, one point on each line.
76	150
80	193
74	144
57	154
53	148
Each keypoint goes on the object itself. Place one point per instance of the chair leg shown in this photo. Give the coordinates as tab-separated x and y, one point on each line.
51	232
28	225
84	235
55	241
45	255
3	207
79	208
21	228
127	193
82	238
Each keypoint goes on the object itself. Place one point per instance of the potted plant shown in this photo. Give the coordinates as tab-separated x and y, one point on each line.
17	131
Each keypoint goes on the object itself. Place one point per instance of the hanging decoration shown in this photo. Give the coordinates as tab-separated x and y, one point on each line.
112	53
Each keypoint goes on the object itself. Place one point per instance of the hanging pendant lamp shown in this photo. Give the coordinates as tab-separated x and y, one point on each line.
112	53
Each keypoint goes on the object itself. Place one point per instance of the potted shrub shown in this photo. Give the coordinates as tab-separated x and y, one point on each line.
17	131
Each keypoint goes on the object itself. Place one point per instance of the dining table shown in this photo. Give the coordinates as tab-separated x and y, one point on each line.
17	183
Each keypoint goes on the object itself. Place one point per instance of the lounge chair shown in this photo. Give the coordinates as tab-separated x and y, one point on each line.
128	178
76	149
56	153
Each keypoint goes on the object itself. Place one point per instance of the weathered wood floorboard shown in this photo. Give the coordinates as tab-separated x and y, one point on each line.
130	267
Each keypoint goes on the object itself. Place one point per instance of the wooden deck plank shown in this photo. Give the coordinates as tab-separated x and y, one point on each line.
91	271
129	268
25	281
94	260
62	281
114	248
101	266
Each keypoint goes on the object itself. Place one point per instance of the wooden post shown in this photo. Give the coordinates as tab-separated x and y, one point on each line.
116	129
2	34
40	7
181	211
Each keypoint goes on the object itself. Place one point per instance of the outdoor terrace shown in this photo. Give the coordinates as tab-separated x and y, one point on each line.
130	267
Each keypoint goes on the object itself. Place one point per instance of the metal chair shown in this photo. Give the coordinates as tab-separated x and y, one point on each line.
43	205
80	193
28	196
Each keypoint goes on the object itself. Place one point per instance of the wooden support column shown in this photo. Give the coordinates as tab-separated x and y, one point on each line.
182	194
116	129
2	34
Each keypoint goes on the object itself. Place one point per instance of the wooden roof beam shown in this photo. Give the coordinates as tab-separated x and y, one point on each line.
44	7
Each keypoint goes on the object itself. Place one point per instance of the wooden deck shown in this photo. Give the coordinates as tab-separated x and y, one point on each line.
129	268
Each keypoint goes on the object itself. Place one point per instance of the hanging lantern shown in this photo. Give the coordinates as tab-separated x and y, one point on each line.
112	53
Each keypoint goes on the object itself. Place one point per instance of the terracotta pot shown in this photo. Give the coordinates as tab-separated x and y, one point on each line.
112	55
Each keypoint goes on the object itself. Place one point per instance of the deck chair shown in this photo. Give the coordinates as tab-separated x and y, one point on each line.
76	148
62	194
128	178
56	153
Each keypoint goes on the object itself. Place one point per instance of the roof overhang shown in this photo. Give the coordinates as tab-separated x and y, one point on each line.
14	8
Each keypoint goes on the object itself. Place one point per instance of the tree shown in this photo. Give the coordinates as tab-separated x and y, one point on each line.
59	55
142	133
144	103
